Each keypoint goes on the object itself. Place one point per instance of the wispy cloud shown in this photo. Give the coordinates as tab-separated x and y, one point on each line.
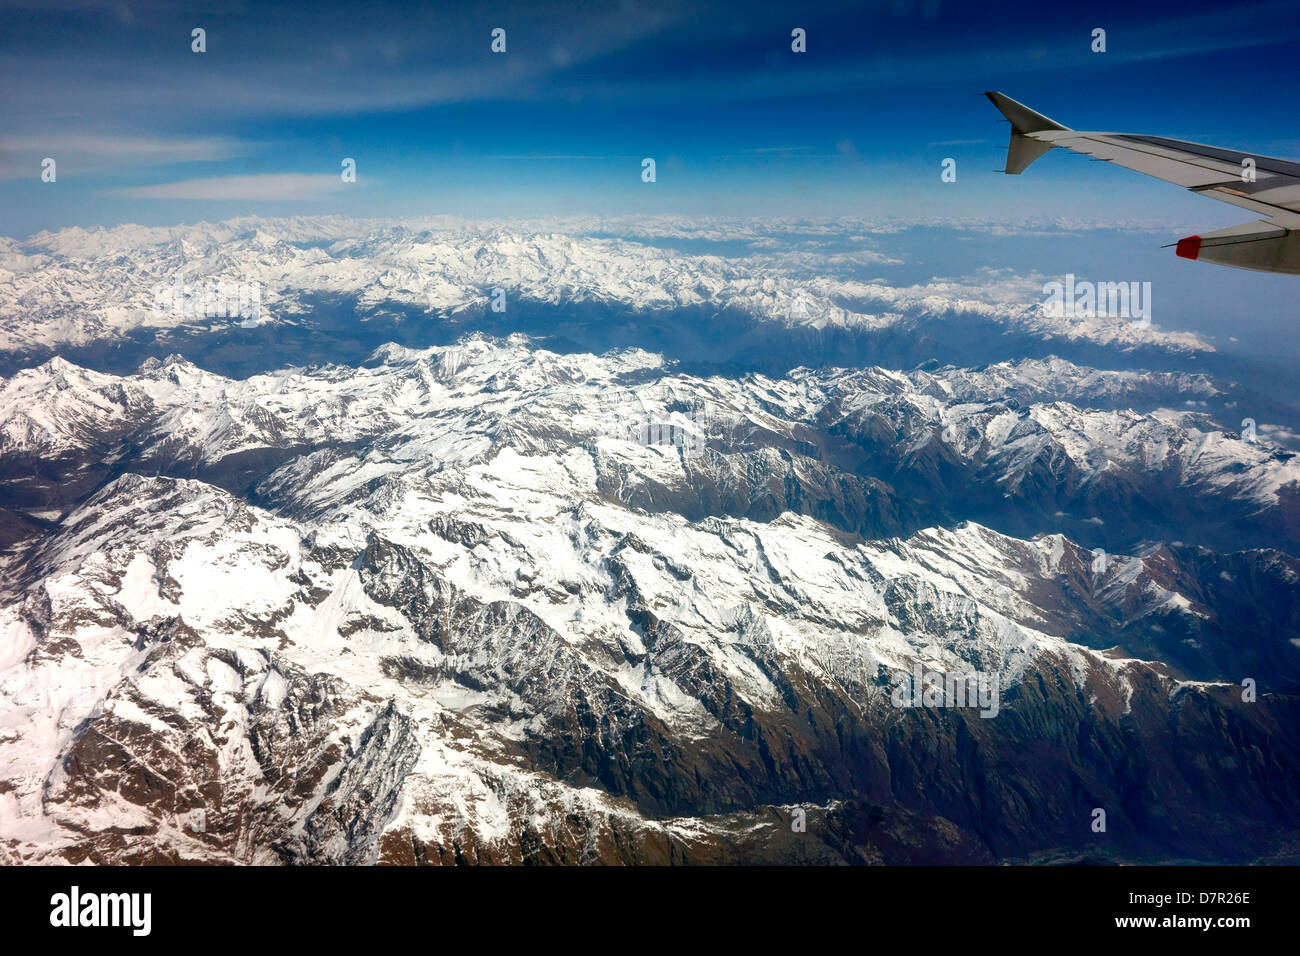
268	187
266	60
85	152
553	156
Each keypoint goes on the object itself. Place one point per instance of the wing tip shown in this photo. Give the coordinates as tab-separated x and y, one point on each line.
1023	119
1022	149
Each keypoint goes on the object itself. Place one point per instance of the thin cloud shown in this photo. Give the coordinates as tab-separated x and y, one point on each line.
551	156
392	58
85	152
269	187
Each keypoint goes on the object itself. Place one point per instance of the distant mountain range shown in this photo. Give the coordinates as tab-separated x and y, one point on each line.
82	290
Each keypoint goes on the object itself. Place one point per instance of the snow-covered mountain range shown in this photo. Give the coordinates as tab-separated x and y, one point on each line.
78	289
491	601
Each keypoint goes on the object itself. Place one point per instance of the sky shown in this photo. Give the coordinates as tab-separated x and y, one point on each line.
143	129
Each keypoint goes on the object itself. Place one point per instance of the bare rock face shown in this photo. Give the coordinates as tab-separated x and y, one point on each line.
448	608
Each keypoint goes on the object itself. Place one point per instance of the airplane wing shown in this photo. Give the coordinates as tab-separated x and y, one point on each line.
1262	184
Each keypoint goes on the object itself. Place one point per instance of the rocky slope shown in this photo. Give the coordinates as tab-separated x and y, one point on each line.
490	603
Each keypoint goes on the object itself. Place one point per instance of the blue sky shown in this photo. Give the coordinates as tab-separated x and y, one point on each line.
144	130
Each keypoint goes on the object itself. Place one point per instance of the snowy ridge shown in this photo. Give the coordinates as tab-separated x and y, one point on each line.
483	392
77	287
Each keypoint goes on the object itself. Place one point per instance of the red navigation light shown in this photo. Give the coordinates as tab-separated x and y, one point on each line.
1189	248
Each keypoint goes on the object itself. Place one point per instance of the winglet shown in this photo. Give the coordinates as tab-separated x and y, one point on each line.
1022	150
